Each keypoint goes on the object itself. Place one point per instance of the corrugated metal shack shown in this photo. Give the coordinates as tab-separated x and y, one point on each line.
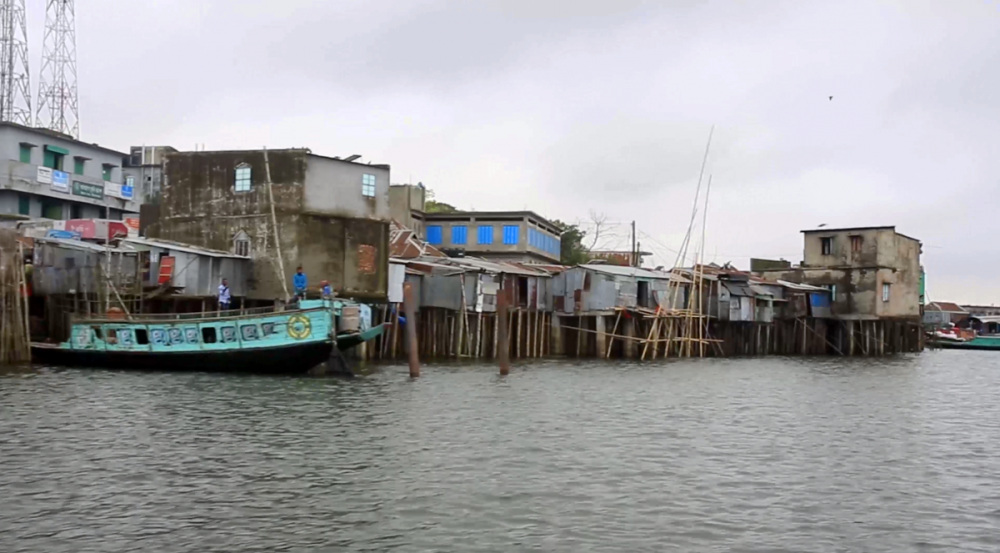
592	299
72	276
457	306
193	272
76	267
590	289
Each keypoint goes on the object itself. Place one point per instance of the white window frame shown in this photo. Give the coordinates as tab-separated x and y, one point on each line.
243	180
368	185
885	291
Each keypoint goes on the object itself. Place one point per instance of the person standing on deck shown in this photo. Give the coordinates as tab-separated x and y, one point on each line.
325	289
224	296
300	282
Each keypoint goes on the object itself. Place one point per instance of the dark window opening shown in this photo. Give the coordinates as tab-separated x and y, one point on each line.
208	335
827	245
141	336
75	211
97	332
642	294
856	242
586	282
522	291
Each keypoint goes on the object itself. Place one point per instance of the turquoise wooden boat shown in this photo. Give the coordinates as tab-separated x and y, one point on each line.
260	341
991	342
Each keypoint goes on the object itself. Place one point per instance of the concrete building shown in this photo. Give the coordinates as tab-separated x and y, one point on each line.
46	174
330	215
871	272
942	313
143	169
521	236
406	204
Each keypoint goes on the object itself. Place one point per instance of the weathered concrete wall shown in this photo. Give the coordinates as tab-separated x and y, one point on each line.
333	187
841	254
885	257
404	200
199	205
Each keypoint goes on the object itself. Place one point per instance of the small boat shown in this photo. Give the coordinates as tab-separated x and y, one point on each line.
990	342
268	340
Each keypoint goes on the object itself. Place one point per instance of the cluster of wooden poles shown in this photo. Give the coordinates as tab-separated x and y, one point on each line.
15	334
413	348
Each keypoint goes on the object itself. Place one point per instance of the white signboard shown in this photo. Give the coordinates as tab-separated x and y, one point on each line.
44	175
113	189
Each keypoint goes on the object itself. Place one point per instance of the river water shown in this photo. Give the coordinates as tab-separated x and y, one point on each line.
776	454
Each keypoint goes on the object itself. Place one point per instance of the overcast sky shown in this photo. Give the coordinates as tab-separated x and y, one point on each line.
568	107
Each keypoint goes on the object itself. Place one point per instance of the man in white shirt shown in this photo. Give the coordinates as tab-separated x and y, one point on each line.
224	295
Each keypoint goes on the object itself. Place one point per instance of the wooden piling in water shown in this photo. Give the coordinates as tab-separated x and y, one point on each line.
411	330
504	345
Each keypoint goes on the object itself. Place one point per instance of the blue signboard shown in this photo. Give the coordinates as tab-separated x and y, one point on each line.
60	181
126	192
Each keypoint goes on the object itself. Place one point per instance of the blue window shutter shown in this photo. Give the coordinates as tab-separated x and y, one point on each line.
557	246
511	234
458	234
434	235
486	234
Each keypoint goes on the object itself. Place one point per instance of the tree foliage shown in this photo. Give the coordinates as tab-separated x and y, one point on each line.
433	206
573	251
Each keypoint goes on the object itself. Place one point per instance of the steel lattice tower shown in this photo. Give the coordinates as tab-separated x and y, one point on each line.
15	85
58	107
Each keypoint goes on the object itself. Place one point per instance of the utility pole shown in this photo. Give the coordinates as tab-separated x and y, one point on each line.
15	80
635	253
58	105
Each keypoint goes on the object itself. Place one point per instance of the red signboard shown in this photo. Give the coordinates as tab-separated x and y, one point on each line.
97	229
166	269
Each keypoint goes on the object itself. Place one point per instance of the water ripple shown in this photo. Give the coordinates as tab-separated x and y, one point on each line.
716	455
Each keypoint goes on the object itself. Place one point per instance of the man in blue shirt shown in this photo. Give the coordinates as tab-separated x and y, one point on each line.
224	295
300	283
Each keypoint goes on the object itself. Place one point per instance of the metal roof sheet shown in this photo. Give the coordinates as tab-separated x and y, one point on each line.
81	245
987	318
635	272
946	307
803	287
177	246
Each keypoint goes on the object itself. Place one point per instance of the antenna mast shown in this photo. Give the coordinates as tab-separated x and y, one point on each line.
58	107
15	84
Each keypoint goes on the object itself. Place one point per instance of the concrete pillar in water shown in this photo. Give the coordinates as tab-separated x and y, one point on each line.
556	346
602	343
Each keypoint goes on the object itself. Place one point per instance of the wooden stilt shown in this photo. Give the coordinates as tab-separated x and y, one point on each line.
504	357
411	330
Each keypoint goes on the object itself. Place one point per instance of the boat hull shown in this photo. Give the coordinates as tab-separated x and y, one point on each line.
987	346
285	359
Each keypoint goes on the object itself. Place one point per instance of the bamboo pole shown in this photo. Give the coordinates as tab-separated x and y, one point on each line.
611	338
24	297
274	226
